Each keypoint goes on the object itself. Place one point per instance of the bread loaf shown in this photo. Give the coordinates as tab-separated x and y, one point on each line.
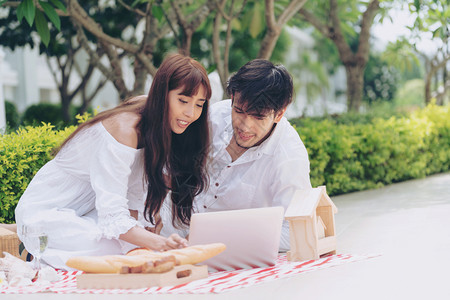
196	254
189	255
145	261
158	266
116	263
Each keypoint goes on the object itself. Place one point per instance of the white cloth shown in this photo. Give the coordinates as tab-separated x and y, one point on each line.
266	175
82	197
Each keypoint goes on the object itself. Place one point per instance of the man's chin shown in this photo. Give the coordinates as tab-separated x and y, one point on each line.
244	145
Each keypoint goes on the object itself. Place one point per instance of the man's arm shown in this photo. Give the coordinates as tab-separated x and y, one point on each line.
289	176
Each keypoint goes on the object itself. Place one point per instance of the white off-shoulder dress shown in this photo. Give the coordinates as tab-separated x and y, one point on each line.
83	196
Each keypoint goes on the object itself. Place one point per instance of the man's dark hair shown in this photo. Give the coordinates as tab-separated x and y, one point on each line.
262	86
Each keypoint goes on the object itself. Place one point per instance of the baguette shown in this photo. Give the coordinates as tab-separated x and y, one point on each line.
116	264
196	254
158	266
189	255
145	261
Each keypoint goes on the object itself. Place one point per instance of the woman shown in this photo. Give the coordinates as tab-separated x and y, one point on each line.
115	170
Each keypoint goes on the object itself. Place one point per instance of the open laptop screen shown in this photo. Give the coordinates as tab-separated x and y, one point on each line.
252	236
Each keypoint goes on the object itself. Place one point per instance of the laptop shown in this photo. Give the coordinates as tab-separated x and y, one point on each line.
252	236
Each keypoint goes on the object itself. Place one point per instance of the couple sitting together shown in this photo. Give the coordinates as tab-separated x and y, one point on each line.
132	176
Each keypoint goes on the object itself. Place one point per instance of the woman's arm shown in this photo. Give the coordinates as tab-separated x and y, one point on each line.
134	213
122	128
144	238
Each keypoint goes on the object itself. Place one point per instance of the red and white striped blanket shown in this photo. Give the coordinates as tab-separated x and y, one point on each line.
215	283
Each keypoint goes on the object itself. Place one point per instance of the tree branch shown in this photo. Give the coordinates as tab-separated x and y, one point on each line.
345	52
137	11
366	24
50	68
316	22
78	14
179	15
269	13
216	43
84	80
274	27
15	4
202	13
290	11
220	8
94	58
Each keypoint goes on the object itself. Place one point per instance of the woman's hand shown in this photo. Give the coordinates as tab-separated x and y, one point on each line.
144	238
174	241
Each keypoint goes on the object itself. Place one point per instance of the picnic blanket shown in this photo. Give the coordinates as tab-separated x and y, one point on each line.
218	282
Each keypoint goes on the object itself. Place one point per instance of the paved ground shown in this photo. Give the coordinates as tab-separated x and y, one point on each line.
407	223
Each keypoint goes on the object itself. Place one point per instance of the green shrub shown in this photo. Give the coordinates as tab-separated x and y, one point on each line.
35	114
43	112
22	154
356	157
12	115
344	157
383	110
411	94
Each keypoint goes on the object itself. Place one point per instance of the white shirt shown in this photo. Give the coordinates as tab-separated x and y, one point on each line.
83	196
265	175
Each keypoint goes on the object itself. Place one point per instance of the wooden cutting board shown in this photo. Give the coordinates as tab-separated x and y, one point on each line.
178	275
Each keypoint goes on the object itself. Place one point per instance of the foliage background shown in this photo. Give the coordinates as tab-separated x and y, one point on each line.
369	154
345	155
22	154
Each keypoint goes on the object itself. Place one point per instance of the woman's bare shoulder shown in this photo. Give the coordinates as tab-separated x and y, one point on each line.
123	128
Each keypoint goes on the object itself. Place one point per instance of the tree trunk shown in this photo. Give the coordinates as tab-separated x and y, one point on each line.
446	82
355	84
433	73
140	75
275	26
428	78
65	106
65	97
355	63
268	43
186	43
217	54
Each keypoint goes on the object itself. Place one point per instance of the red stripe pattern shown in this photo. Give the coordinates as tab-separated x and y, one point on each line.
215	283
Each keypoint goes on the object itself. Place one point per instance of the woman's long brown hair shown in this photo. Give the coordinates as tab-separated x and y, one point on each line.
181	156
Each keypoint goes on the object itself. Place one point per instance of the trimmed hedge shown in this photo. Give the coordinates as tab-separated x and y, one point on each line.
343	157
43	112
12	115
349	158
22	154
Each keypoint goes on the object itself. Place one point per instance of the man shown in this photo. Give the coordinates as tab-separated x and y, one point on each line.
257	158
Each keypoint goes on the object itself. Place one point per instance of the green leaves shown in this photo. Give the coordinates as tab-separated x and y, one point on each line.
26	9
136	2
256	24
23	154
252	20
42	27
157	12
356	157
41	15
51	14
